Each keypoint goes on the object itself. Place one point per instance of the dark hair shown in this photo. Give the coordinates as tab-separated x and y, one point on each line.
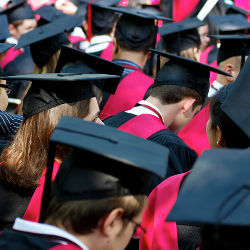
26	157
233	136
169	94
82	216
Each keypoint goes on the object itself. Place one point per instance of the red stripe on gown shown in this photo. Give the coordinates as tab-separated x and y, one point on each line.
182	9
108	52
10	56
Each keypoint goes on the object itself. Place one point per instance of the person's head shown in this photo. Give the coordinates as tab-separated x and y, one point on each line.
205	39
185	102
232	54
182	38
110	221
101	203
21	18
222	132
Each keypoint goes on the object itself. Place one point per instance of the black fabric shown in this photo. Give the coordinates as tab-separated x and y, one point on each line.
4	31
13	240
212	56
14	203
43	50
136	31
181	157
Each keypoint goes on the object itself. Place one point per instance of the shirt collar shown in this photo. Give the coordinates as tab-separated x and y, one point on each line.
100	39
45	229
152	106
217	85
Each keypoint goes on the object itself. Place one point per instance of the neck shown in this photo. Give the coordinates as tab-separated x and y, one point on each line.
222	80
140	58
168	111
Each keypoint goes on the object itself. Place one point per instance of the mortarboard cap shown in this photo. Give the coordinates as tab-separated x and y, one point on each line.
121	164
5	46
185	72
50	90
137	26
76	61
18	10
4	32
230	24
216	191
182	35
237	102
231	8
233	45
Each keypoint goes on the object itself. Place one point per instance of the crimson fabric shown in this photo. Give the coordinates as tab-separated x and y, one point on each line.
161	234
130	91
194	133
143	126
204	59
33	210
36	4
10	56
182	9
65	247
108	52
244	5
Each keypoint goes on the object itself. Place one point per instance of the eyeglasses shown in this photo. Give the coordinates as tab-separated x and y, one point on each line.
7	87
138	230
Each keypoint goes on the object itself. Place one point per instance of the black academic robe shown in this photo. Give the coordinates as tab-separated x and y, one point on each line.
18	240
181	157
13	203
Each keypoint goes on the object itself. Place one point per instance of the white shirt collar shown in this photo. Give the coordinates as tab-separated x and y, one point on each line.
217	85
45	229
139	110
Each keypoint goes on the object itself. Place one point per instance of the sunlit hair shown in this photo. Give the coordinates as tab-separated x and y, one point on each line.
26	157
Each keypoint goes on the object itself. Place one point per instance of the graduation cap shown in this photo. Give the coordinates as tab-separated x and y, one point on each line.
4	31
182	35
53	89
230	24
18	10
184	72
233	45
76	61
121	164
137	26
216	194
237	102
5	46
100	20
231	8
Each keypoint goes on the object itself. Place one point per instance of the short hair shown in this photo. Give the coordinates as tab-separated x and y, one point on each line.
17	23
233	136
169	94
82	216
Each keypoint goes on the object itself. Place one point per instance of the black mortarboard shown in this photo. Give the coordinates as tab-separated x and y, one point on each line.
182	35
230	24
4	31
5	46
185	72
18	10
121	164
233	45
137	26
76	61
237	102
233	9
50	90
216	191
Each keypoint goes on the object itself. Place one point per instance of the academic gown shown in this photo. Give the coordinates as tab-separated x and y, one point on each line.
14	203
30	235
162	234
147	126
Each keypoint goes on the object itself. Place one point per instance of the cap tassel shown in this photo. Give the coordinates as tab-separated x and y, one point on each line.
89	20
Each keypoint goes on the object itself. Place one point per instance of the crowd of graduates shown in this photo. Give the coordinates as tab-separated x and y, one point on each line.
124	124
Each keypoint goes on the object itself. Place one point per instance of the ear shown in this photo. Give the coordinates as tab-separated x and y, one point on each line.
230	68
112	224
187	104
220	142
12	30
85	26
116	48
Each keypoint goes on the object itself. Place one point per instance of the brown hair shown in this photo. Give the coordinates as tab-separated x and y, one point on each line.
26	158
169	94
82	216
